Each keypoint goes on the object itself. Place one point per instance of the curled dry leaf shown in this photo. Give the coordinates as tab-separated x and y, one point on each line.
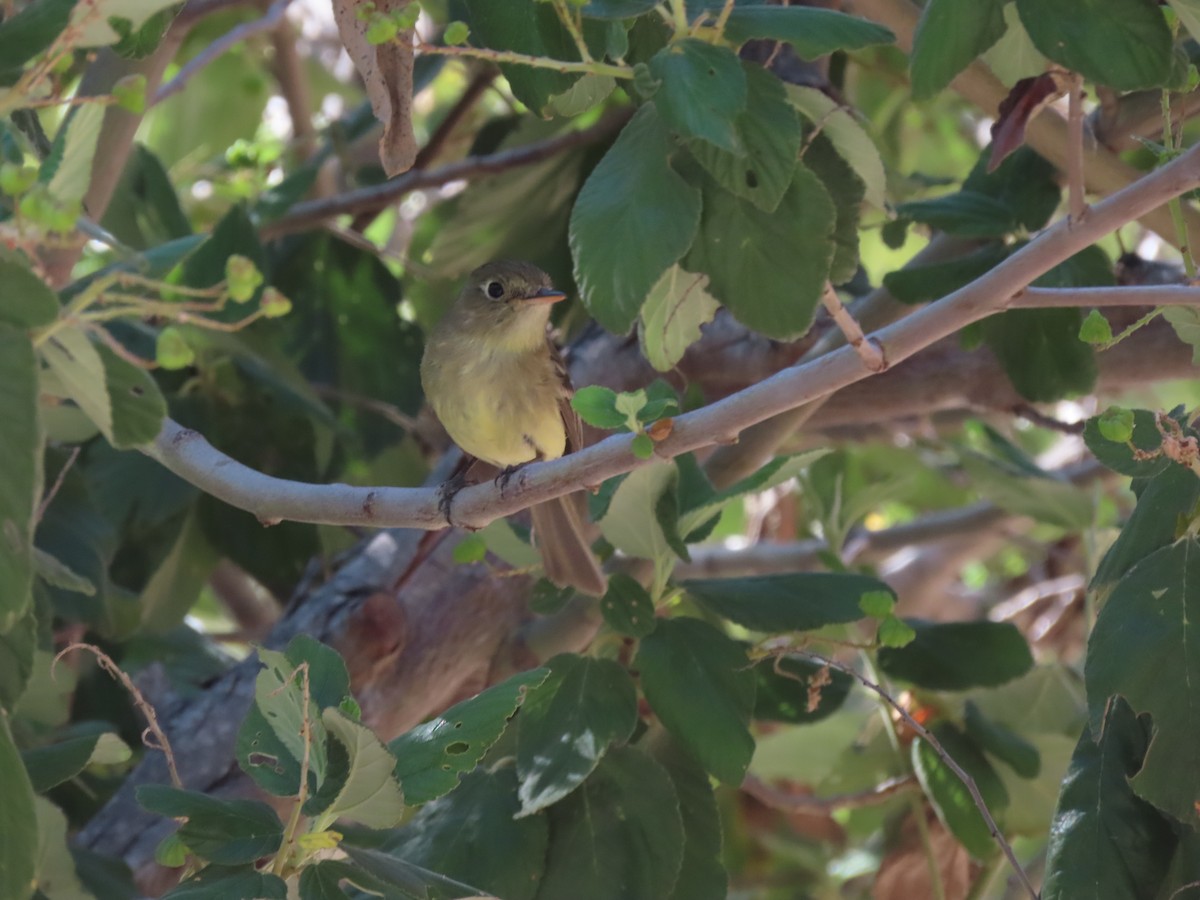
1028	97
387	72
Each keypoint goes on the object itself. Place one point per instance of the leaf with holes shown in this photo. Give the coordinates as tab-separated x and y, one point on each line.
433	757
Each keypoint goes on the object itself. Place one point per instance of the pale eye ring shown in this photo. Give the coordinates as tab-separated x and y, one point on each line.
495	290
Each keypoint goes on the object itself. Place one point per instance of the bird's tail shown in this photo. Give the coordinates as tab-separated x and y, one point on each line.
560	529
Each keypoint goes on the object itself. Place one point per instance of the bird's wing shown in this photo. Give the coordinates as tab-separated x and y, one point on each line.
571	420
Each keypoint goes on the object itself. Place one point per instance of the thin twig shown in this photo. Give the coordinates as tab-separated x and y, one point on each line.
475	89
312	212
107	664
870	352
58	483
1075	147
219	47
945	757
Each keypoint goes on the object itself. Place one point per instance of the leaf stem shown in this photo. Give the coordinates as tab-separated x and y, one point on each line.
569	21
289	833
524	59
679	17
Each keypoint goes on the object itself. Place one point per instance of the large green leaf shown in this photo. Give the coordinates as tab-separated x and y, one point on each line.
367	791
226	832
702	875
949	37
964	213
1055	501
470	835
619	835
1165	502
768	135
953	656
432	758
138	406
799	602
568	723
627	607
18	836
28	301
702	91
1120	457
1028	184
1105	840
56	877
55	763
701	687
848	136
145	210
634	217
229	882
769	269
953	801
847	191
811	31
70	161
1124	44
21	474
17	648
1145	648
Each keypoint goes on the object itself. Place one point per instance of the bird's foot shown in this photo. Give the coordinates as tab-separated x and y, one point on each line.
506	475
448	491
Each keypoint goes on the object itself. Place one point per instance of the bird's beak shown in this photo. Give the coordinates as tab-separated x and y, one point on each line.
545	295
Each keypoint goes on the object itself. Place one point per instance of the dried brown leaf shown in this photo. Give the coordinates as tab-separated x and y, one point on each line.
387	72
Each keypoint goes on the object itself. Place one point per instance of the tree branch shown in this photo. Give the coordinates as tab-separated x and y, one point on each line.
313	212
188	455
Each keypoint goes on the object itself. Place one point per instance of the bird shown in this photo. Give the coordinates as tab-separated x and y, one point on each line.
497	383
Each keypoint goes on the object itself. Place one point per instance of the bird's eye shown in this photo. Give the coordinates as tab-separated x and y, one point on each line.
495	290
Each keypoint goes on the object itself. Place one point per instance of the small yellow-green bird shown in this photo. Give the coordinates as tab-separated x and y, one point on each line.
496	381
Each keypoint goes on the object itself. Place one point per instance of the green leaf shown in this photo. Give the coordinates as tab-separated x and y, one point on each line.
58	574
954	656
17	648
138	406
145	210
56	877
1094	329
28	301
802	601
405	878
546	598
1106	841
768	133
627	607
1119	456
848	136
177	582
234	235
949	37
431	758
1003	743
702	875
622	248
965	213
26	34
270	743
21	474
530	28
894	632
799	691
769	269
473	835
847	191
226	883
97	20
369	793
55	763
226	832
597	405
700	503
1166	500
568	723
701	687
812	32
630	524
920	284
1186	322
675	309
1143	647
951	799
18	839
619	835
702	91
322	881
78	137
1124	44
587	92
